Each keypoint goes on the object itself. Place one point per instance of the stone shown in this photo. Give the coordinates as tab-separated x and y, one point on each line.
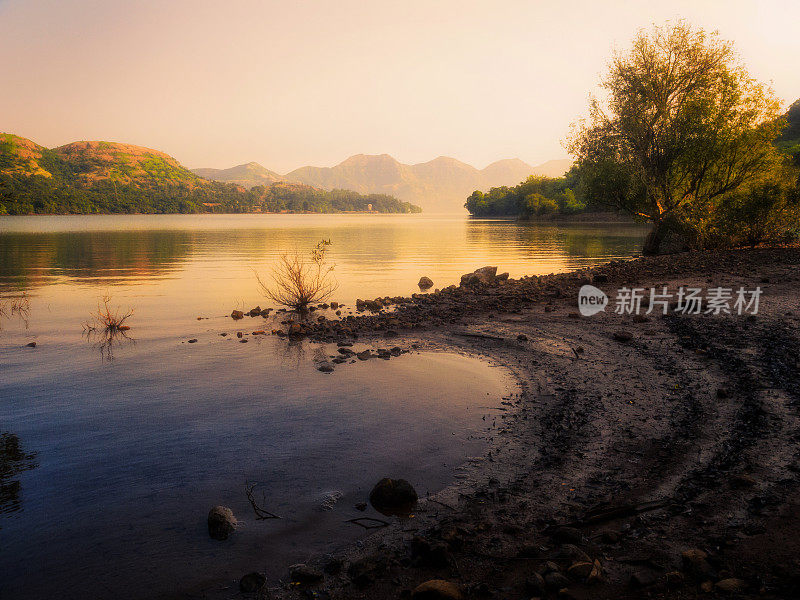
365	355
522	337
302	573
393	496
437	589
295	329
255	312
580	571
622	336
573	553
252	582
221	522
486	275
694	560
334	305
555	581
425	283
534	584
731	585
237	314
430	554
325	368
31	344
193	341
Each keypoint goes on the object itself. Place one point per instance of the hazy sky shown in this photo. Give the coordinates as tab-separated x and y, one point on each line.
292	82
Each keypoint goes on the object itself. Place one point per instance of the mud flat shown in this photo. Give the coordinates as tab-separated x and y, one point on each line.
652	456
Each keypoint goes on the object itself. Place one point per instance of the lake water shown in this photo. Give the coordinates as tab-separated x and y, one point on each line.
112	456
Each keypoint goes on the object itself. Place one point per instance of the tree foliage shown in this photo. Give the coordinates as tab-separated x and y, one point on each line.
683	129
534	197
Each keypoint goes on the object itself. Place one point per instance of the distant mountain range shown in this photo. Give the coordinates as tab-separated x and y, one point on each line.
109	177
440	185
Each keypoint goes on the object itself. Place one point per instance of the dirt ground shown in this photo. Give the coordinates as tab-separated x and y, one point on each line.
633	441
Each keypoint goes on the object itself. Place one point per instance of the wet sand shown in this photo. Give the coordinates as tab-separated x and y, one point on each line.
619	453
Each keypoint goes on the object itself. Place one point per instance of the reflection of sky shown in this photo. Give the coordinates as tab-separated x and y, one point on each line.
189	266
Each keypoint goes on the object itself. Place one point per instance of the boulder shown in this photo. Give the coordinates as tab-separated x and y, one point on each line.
425	283
486	275
302	573
252	582
237	314
221	522
393	496
731	585
437	589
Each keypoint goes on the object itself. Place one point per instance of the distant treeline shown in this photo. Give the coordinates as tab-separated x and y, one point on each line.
49	184
534	197
40	195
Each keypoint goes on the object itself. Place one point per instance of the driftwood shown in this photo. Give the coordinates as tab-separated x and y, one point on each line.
368	522
481	336
261	514
601	514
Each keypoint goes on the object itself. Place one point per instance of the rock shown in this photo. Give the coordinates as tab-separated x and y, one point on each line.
221	522
534	585
437	589
425	283
393	496
255	312
486	275
642	578
295	329
430	554
522	337
694	560
674	579
239	334
365	355
707	587
334	305
252	582
573	553
555	581
31	344
731	585
580	571
237	314
193	341
364	570
302	573
596	576
325	368
501	277
622	336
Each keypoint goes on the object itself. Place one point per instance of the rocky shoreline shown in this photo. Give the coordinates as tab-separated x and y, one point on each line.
646	456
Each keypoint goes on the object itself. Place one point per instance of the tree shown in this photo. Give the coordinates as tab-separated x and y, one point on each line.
684	124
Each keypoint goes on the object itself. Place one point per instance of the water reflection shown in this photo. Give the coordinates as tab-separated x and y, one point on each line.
13	461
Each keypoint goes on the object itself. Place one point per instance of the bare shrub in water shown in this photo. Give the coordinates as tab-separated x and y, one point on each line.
299	280
108	318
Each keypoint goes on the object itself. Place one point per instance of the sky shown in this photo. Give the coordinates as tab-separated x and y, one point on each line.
293	83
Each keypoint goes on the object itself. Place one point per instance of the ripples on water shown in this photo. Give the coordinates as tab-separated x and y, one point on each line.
112	466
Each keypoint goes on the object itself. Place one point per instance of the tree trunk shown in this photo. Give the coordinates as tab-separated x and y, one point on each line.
652	243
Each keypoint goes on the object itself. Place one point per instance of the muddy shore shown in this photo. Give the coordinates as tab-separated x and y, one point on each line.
655	456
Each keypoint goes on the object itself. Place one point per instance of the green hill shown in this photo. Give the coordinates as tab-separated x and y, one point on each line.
247	176
107	177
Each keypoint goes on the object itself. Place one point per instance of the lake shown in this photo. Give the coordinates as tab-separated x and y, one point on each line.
113	455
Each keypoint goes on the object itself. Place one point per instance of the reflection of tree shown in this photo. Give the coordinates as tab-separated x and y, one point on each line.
13	461
29	259
575	240
104	340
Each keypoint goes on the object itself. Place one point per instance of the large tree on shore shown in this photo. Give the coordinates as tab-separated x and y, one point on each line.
683	123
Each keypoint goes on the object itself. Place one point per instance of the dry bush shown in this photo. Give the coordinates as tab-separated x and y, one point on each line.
299	280
108	318
19	306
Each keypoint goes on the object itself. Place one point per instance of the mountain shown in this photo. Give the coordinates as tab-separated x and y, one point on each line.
108	177
440	185
247	176
553	168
